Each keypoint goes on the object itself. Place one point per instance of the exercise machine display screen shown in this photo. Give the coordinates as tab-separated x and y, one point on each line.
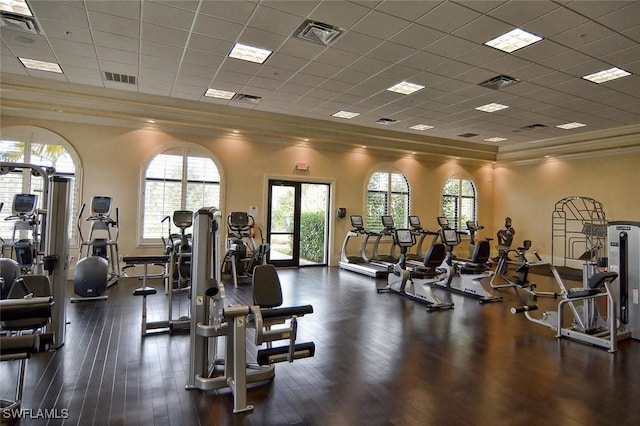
414	221
101	206
404	237
443	222
450	237
183	218
387	222
24	204
356	222
239	219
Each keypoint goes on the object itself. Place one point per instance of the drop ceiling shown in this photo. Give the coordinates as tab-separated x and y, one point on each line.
179	49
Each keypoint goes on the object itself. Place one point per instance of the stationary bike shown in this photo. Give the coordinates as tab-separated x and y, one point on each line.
416	283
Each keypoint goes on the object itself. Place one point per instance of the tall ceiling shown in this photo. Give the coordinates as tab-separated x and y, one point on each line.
178	49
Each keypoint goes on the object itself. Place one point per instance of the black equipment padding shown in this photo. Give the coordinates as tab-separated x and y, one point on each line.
481	252
624	278
287	312
435	255
598	279
141	260
267	292
526	308
19	347
573	293
301	350
22	309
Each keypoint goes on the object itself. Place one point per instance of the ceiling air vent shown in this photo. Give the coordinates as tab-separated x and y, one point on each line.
317	32
386	121
119	78
246	98
14	21
533	126
468	135
499	82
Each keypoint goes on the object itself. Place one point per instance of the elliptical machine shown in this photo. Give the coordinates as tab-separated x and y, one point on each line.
98	264
243	254
9	270
178	247
416	283
25	250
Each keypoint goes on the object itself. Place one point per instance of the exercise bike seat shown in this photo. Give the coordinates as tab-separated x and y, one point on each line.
432	260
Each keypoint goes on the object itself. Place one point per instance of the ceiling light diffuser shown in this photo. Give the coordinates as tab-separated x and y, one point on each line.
606	75
568	126
513	40
219	94
421	127
345	114
495	139
34	64
19	7
491	107
249	53
405	88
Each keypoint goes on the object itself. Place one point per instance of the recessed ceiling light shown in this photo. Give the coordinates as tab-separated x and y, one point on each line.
421	127
235	131
345	114
249	53
151	121
513	40
219	94
405	88
568	126
606	75
363	146
495	139
306	139
491	107
34	64
19	7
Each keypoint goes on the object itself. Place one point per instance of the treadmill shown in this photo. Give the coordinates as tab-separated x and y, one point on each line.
360	264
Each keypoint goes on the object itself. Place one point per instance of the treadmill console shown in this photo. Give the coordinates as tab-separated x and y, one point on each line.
450	237
24	204
387	222
357	222
414	222
443	222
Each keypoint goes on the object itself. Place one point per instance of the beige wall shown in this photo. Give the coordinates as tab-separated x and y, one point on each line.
112	159
529	193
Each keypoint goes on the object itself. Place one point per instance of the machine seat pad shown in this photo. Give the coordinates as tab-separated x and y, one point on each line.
144	291
141	260
286	312
472	268
421	272
19	347
573	293
305	350
598	280
25	309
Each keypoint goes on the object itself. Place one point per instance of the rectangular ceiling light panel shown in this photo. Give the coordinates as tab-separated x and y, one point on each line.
34	64
19	7
345	114
421	127
493	107
513	40
249	53
495	139
405	88
569	126
219	94
606	75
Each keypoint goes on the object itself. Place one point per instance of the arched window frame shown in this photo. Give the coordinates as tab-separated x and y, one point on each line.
151	232
30	136
462	195
393	194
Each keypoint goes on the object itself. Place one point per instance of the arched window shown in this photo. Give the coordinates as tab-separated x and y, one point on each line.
387	194
181	178
459	200
41	147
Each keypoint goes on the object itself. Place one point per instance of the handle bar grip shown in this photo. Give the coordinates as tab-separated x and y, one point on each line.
537	255
164	219
525	308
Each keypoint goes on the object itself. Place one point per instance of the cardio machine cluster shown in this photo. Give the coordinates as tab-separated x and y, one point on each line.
416	271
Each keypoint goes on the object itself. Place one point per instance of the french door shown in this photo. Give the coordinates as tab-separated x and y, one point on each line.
298	223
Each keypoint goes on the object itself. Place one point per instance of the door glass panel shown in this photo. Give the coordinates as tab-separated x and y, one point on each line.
313	223
282	222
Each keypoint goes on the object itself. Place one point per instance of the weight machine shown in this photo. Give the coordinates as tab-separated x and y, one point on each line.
212	322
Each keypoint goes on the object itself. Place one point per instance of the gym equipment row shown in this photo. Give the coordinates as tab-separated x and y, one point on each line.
212	322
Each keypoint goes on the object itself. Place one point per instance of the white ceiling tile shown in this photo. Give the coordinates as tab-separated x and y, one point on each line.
390	52
349	75
124	9
115	55
482	29
337	57
231	78
274	73
417	36
623	18
275	21
450	68
118	67
582	34
517	13
607	45
339	14
168	77
59	12
208	60
164	35
237	11
406	9
356	42
321	70
370	66
164	51
448	17
479	55
595	9
217	28
380	25
116	41
114	24
295	7
166	16
180	4
554	23
300	48
66	32
450	46
260	38
67	60
285	62
194	70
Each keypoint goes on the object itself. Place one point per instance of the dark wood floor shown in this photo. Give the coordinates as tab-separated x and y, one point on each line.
380	360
